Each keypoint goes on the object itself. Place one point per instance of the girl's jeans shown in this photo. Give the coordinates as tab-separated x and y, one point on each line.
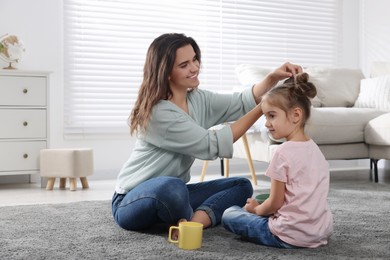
251	227
167	199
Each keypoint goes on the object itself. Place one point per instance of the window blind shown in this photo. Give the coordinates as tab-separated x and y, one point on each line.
105	44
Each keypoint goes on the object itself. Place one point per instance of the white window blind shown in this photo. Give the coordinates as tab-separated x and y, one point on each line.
105	44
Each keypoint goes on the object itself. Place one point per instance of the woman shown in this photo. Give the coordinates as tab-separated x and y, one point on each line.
171	118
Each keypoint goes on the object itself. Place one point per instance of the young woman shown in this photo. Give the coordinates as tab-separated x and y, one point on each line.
171	118
296	214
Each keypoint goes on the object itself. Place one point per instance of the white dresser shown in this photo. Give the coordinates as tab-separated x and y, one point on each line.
23	120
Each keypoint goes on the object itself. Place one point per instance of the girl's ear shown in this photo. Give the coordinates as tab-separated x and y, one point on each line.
297	115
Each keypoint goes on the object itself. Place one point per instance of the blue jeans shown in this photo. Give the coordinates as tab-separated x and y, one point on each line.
251	227
167	199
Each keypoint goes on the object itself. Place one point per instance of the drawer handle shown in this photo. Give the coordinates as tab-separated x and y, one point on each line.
25	123
25	156
25	91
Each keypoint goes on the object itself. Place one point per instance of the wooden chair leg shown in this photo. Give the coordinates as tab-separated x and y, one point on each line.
62	183
249	159
226	167
50	183
84	182
204	169
73	184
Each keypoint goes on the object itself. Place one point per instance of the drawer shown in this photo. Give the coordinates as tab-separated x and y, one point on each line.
22	91
22	123
20	156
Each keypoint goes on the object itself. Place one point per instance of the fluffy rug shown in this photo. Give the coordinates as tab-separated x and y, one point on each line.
86	230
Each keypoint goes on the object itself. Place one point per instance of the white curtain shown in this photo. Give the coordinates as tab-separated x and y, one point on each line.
105	44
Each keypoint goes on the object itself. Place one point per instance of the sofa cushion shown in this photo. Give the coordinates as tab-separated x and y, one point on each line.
377	130
339	125
248	74
336	87
374	93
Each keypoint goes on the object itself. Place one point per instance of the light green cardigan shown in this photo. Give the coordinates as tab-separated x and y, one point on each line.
174	139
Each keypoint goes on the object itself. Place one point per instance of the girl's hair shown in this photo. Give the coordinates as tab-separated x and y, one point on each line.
293	93
159	63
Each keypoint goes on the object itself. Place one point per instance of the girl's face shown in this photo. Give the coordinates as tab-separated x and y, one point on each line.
184	74
280	124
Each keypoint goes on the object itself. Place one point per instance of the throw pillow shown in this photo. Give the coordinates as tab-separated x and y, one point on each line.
336	87
248	74
374	93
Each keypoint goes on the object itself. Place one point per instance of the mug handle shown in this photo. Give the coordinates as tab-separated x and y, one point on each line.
170	234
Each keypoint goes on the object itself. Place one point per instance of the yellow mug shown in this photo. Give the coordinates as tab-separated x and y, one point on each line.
190	235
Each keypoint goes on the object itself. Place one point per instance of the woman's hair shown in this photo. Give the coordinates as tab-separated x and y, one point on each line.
293	93
159	63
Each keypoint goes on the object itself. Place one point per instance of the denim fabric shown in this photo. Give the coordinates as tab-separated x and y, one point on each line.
251	227
167	199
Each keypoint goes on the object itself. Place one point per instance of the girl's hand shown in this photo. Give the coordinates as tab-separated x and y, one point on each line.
287	70
250	205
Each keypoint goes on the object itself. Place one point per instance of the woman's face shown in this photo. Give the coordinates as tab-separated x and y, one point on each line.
184	74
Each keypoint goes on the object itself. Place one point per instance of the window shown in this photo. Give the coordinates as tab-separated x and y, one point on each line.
105	44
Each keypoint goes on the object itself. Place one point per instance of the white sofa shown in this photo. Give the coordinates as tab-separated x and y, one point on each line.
350	115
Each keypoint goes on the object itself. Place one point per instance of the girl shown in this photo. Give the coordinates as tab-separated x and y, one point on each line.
171	118
296	214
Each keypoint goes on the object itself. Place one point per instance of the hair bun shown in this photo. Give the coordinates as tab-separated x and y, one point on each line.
302	77
307	88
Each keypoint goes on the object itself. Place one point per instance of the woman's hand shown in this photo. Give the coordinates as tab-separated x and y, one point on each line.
287	70
250	205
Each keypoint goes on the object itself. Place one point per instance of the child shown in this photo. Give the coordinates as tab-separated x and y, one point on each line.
296	214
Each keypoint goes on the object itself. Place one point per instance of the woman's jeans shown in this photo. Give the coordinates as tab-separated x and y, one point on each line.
251	227
167	199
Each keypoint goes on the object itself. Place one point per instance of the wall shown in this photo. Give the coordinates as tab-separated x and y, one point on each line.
374	33
39	24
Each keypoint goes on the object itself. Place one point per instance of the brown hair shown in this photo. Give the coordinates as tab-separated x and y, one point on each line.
293	93
159	62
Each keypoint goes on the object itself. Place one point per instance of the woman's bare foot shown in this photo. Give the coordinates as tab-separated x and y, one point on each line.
201	216
175	232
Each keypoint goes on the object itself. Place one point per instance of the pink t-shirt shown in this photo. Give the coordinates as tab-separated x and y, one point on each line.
305	219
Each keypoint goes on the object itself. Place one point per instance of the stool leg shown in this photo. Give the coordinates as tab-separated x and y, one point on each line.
204	169
249	159
72	184
62	183
50	183
84	182
226	167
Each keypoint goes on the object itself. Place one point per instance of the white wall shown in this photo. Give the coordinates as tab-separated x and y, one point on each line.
38	24
374	33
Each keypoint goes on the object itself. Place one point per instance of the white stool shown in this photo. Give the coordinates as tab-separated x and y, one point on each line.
66	163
